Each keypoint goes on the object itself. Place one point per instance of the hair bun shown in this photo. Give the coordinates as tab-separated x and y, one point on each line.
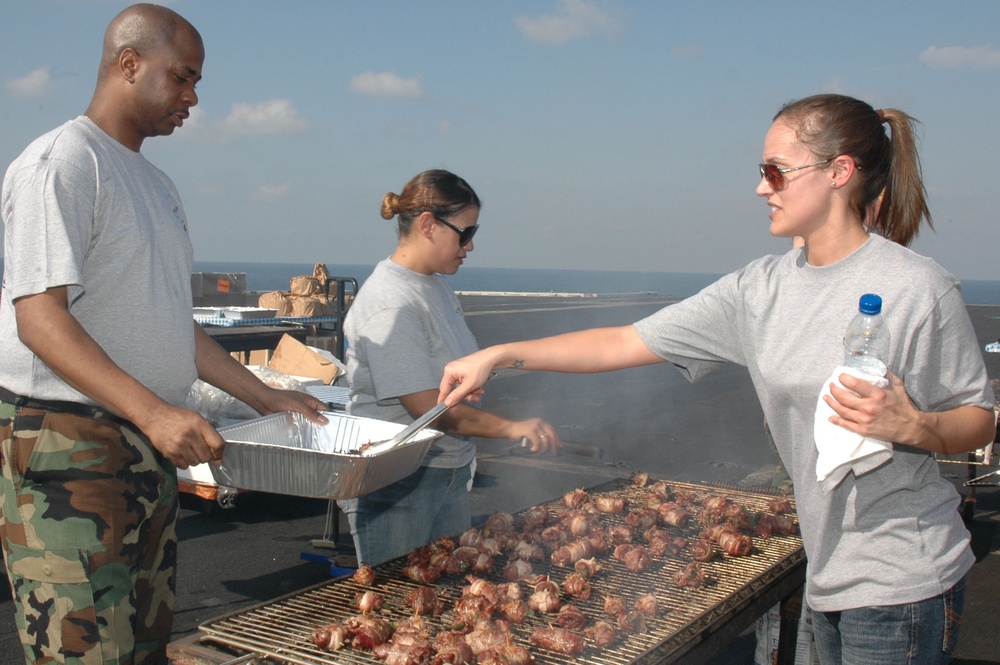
390	205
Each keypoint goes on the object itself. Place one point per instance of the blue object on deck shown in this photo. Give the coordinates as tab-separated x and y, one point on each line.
335	570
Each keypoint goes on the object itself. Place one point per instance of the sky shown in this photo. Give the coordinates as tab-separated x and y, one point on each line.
599	135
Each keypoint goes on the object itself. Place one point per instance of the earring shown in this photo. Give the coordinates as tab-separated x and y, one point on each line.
833	183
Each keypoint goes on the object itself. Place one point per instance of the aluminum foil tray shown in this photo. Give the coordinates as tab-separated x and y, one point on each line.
285	453
233	312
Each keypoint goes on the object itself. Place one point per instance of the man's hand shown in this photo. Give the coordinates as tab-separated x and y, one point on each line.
186	438
292	400
183	436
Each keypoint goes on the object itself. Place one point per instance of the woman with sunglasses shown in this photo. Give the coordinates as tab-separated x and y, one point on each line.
887	550
404	325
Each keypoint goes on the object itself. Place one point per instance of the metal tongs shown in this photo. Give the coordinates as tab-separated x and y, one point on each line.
408	433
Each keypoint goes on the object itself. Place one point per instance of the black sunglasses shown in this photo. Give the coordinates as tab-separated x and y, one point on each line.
464	235
775	175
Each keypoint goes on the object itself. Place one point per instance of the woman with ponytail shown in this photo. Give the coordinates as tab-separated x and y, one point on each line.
887	549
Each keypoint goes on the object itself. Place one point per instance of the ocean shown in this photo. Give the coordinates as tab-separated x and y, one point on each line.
276	276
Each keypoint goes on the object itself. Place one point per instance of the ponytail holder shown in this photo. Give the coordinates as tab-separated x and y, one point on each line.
881	115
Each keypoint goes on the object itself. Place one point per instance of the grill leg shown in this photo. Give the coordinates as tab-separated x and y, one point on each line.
791	610
969	506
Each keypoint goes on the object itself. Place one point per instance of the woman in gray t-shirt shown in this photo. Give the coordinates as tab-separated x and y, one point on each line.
887	549
403	327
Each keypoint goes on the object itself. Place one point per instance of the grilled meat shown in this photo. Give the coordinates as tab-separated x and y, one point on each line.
558	640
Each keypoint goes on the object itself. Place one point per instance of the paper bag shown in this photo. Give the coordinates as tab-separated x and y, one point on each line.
304	285
276	300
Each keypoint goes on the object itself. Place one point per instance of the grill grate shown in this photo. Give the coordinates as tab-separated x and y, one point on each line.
280	629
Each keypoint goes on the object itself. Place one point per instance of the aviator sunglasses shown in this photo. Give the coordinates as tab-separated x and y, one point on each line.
775	175
464	235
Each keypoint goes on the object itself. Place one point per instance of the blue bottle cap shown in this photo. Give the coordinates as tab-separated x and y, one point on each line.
870	304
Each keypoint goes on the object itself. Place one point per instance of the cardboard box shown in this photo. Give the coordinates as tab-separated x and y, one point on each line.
265	373
293	357
256	357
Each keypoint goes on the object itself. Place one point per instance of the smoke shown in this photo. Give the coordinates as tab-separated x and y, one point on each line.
647	418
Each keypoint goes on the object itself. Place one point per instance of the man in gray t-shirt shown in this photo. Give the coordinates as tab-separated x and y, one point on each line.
100	351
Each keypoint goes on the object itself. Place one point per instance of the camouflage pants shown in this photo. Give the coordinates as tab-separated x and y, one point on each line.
88	519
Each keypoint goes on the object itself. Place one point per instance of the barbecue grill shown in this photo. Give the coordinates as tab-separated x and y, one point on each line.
737	590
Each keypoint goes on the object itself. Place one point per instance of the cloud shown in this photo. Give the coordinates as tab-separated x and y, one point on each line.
35	84
272	193
275	116
961	57
386	84
196	119
573	19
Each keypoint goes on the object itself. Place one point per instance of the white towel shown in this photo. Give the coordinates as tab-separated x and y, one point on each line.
841	450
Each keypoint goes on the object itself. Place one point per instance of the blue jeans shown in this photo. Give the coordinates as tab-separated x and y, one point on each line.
910	634
407	514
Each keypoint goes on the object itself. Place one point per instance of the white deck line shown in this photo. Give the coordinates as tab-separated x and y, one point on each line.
532	294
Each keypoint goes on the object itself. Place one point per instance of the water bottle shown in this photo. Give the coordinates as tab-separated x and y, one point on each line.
866	342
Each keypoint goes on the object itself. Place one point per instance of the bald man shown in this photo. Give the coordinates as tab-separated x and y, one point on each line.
99	353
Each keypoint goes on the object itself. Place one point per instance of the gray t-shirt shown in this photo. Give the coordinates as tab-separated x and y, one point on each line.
893	535
83	211
402	329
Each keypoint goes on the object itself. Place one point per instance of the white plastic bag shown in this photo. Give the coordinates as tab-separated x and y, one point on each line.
220	408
